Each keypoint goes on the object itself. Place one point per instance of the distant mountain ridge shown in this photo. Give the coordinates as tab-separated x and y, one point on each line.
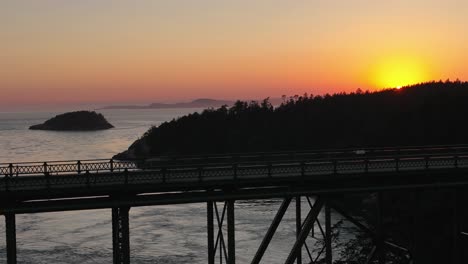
198	103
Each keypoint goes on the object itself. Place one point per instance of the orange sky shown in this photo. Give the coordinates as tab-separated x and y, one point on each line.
55	51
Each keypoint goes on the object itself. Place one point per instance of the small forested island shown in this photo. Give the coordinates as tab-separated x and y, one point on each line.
75	121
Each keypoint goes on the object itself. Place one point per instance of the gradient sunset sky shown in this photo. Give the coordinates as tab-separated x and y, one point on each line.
59	51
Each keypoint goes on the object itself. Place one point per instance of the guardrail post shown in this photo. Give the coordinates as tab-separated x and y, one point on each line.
78	165
45	168
111	165
47	175
11	169
126	176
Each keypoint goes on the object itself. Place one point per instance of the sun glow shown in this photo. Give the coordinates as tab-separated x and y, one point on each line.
397	72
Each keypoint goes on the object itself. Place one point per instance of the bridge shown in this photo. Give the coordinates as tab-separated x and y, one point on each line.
220	180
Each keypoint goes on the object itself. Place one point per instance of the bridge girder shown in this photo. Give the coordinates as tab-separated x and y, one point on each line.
121	235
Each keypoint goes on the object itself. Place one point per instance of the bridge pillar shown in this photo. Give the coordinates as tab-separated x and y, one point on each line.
10	228
456	228
210	229
380	230
214	211
298	227
231	232
121	235
328	234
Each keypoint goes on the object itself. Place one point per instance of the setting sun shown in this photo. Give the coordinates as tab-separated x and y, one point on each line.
399	72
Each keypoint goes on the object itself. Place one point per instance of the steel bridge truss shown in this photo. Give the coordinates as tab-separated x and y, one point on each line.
221	233
222	250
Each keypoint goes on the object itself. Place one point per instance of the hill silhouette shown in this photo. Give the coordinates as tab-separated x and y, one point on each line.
430	113
198	103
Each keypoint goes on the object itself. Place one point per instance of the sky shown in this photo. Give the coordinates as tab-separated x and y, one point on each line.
66	51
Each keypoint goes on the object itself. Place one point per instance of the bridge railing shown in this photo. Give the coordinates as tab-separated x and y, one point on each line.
326	154
329	153
60	167
348	156
306	168
230	173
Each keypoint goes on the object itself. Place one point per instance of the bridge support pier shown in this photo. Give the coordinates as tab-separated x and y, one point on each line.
306	227
299	227
121	235
217	244
210	231
380	235
328	235
231	232
456	228
10	229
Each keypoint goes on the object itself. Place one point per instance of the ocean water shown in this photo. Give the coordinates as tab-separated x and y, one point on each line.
158	234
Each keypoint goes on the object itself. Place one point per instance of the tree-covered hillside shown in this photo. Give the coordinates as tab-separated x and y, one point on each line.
424	114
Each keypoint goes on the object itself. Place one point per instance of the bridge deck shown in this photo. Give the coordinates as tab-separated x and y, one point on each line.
94	184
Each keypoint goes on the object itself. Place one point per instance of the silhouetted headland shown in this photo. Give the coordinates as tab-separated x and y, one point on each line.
431	113
75	121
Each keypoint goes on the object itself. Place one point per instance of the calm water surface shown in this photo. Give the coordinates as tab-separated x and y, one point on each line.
159	234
